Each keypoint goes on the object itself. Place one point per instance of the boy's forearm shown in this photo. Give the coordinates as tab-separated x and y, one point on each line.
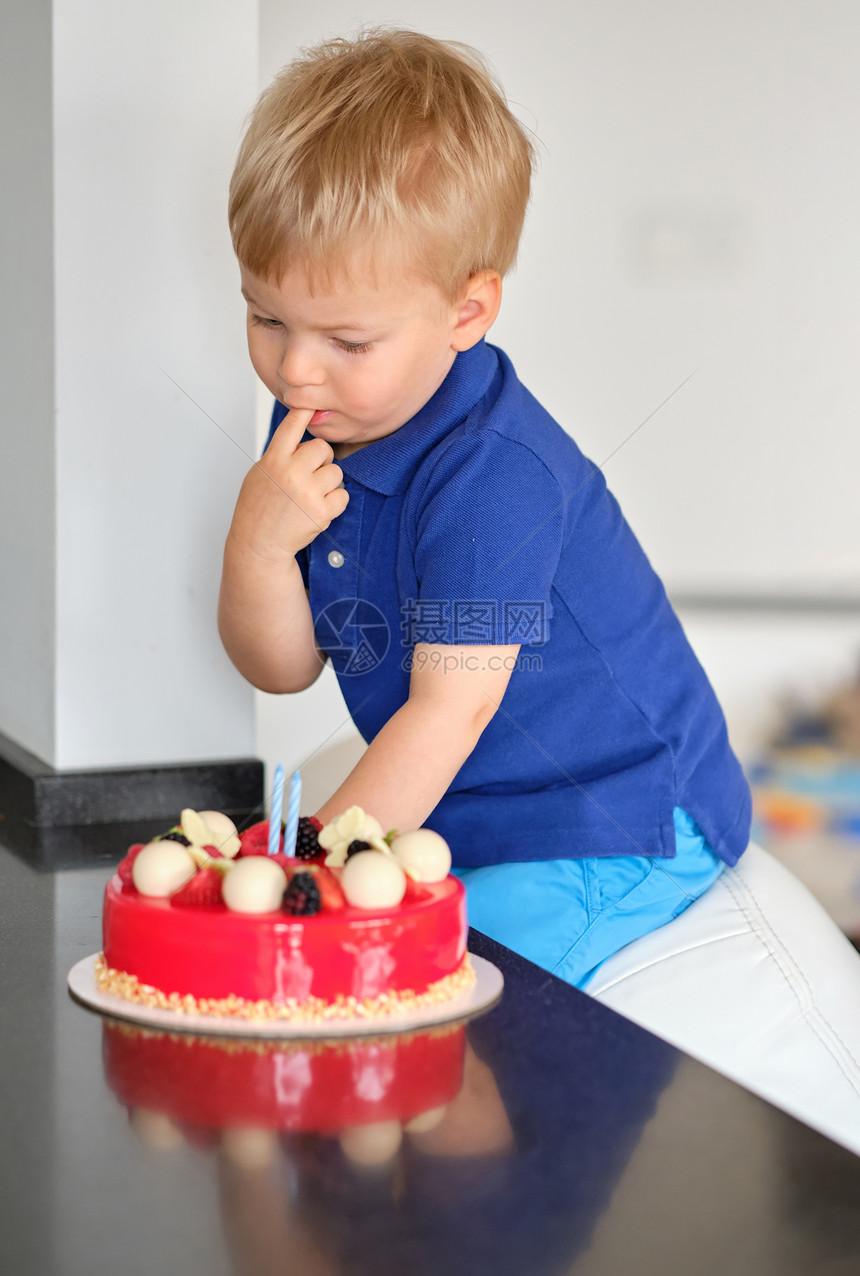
408	766
265	622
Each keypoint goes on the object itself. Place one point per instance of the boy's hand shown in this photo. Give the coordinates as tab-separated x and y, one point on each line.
291	494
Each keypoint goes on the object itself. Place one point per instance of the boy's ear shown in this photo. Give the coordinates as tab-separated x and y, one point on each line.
477	308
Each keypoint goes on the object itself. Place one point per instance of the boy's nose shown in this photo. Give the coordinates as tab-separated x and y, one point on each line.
299	367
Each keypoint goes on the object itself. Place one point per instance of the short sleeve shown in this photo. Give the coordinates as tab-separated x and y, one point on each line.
489	529
279	411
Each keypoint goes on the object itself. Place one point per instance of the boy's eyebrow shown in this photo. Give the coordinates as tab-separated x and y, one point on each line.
250	300
347	324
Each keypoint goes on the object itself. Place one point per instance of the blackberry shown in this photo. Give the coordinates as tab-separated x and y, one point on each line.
356	846
307	841
302	896
175	835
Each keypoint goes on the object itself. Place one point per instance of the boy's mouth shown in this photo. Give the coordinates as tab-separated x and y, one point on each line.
320	415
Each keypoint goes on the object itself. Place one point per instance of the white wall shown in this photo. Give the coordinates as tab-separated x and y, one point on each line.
696	208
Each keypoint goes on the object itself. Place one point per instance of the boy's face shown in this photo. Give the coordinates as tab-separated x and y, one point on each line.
365	355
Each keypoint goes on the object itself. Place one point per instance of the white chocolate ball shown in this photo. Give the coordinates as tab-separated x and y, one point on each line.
372	1145
425	855
373	880
161	868
254	885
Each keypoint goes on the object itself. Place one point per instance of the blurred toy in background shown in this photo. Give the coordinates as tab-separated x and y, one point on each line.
808	778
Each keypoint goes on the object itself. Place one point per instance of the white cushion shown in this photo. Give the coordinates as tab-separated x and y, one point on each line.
757	981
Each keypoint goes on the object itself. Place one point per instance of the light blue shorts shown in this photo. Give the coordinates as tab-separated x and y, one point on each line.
569	916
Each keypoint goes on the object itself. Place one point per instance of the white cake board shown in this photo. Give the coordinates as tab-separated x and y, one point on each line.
484	993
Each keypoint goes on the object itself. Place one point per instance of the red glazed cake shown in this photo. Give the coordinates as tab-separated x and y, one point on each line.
315	948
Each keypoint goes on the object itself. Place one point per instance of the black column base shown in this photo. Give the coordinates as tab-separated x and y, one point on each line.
38	798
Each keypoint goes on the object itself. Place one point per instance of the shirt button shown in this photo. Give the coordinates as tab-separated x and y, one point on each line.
335	558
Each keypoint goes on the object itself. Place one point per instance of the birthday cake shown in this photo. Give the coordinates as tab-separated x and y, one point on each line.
205	921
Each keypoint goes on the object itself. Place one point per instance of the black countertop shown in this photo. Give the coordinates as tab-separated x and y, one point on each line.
577	1143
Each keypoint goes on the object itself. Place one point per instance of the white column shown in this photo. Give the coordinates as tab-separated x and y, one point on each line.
117	490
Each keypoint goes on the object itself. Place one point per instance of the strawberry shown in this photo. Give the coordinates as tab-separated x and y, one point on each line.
255	840
203	890
125	865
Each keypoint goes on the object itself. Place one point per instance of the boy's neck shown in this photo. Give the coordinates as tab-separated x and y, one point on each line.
344	449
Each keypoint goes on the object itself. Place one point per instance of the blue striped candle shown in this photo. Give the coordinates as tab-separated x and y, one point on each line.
275	817
292	830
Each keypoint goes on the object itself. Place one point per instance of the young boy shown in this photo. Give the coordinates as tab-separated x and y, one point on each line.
500	638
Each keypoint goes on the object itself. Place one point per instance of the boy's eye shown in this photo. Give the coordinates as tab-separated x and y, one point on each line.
353	347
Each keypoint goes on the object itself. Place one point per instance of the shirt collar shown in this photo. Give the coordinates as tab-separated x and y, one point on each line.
387	465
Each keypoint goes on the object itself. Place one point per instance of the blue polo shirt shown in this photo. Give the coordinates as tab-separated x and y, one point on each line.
478	522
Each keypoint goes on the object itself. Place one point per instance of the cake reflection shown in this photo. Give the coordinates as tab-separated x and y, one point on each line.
209	1086
303	1133
491	1147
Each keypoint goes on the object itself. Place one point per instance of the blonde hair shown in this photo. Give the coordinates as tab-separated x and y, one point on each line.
392	143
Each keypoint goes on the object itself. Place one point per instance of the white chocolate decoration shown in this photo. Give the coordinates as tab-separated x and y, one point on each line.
254	885
193	826
218	822
161	868
220	834
371	880
372	1145
355	825
205	859
372	827
226	834
425	855
229	846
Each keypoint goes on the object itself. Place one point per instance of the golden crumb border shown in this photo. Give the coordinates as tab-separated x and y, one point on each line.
312	1010
267	1046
